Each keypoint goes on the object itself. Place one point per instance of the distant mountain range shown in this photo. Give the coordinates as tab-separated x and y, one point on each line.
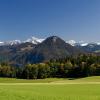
36	50
35	40
81	43
87	47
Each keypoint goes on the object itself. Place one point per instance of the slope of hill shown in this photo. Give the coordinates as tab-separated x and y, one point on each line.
51	48
8	52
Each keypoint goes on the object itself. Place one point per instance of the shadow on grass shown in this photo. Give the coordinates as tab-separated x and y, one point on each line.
76	78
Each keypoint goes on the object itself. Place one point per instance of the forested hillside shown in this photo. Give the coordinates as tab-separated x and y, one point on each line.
74	67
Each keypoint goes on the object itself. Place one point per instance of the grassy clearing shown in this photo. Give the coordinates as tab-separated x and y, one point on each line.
51	80
50	92
93	79
48	89
14	80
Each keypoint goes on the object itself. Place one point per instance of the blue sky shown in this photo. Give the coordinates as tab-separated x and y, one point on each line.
69	19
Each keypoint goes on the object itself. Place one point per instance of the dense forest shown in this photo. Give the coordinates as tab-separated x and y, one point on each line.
70	67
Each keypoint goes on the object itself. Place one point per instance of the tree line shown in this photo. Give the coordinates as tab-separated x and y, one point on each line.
70	67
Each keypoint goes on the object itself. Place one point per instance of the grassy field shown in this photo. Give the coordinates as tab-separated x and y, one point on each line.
13	80
50	89
52	80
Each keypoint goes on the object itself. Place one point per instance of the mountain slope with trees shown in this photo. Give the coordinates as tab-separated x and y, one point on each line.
51	48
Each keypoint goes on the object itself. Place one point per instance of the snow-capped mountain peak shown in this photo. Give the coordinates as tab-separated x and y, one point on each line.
13	42
84	44
74	43
71	42
98	43
1	43
34	40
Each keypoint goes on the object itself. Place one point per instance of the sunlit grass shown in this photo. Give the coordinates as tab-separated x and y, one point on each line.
47	89
50	80
50	92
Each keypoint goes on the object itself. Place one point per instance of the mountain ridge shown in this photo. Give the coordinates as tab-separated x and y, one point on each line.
51	48
36	40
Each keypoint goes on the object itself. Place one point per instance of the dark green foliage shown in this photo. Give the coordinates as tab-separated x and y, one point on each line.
75	67
43	71
30	72
7	71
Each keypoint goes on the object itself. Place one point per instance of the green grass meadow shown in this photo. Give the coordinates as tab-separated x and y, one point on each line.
50	89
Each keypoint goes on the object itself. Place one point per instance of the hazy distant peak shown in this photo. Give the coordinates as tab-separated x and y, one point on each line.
71	42
34	40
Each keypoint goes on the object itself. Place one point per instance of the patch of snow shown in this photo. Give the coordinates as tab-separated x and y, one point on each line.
13	42
84	44
98	43
71	42
1	43
34	40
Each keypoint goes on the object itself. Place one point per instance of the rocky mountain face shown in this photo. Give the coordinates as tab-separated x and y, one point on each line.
87	47
51	48
36	50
